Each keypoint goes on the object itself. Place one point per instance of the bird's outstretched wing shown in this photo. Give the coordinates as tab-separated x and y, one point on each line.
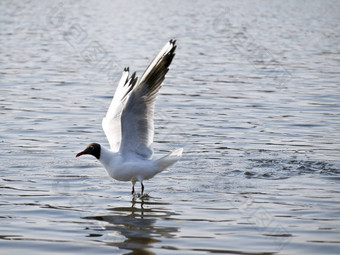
137	128
112	121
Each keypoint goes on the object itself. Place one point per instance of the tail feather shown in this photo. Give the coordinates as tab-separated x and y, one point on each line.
169	159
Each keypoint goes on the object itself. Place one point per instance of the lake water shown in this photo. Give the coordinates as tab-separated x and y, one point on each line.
252	96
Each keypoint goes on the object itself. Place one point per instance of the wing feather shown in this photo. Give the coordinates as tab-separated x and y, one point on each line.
137	114
112	121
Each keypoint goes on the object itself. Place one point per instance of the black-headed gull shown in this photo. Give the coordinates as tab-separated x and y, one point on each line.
129	127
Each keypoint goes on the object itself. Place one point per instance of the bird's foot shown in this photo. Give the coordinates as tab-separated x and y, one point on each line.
141	196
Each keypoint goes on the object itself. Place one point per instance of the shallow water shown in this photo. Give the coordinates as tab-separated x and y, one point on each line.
252	96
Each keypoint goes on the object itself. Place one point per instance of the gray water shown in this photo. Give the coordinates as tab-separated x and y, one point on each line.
252	96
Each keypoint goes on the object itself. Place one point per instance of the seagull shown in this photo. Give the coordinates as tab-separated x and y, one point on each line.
129	127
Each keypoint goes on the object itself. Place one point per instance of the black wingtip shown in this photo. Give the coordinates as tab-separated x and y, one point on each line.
133	75
172	51
126	69
173	42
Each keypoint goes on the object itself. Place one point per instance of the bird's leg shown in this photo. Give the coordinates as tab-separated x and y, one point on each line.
133	188
142	188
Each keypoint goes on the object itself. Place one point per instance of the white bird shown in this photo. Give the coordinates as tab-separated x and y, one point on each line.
129	127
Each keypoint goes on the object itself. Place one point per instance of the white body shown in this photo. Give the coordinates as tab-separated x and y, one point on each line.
135	169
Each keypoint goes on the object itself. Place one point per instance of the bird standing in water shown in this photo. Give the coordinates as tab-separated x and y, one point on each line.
129	127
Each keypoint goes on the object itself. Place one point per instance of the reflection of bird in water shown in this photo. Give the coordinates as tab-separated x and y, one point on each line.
141	227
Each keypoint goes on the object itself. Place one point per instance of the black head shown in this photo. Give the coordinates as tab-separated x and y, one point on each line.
92	149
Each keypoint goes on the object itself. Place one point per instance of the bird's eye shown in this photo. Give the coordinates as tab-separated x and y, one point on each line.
91	148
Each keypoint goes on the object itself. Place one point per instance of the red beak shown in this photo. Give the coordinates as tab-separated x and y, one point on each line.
79	154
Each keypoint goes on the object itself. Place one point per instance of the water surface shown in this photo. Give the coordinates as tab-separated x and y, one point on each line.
252	96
